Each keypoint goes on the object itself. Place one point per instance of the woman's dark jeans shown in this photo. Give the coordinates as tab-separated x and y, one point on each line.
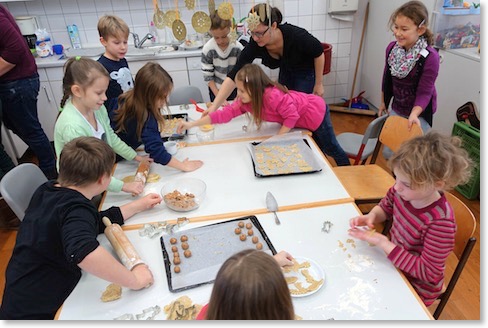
19	100
325	138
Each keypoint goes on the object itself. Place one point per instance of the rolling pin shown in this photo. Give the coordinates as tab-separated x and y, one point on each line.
142	172
121	244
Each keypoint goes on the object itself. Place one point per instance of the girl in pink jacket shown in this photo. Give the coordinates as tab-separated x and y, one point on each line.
272	102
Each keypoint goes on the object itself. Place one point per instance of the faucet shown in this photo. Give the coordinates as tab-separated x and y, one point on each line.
138	43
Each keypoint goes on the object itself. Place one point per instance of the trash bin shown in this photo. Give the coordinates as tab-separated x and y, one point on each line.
328	57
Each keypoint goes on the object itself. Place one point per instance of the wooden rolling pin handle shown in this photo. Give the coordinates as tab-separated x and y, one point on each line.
121	244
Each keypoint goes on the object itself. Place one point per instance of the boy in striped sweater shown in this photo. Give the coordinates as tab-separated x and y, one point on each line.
423	223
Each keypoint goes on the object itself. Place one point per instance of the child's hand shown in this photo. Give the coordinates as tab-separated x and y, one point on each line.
188	166
371	236
283	258
149	201
135	188
143	275
182	126
413	119
382	109
143	158
363	220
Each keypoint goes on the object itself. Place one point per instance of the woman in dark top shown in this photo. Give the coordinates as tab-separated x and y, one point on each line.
292	49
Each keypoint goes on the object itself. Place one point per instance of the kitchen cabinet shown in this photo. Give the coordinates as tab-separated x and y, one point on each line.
176	67
458	82
195	76
47	111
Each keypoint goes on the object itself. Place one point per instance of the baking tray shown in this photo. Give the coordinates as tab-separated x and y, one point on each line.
169	132
211	246
283	157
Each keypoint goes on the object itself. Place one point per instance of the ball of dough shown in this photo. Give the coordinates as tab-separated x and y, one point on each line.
243	237
185	245
187	253
177	260
259	246
177	269
174	249
173	240
238	231
250	232
241	224
184	238
248	225
255	240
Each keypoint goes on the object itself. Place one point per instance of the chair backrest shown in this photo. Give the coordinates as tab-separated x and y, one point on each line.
182	95
395	132
18	186
464	242
374	128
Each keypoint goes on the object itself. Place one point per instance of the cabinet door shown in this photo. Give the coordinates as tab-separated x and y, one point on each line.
196	77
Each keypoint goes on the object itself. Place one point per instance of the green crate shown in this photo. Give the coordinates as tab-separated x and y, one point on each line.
471	142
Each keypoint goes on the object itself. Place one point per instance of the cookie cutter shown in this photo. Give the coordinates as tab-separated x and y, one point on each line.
154	229
326	227
185	106
147	314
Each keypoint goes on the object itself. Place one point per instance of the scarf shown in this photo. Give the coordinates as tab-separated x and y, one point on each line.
401	62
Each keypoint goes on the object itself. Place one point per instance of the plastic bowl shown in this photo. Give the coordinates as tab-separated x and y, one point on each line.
185	194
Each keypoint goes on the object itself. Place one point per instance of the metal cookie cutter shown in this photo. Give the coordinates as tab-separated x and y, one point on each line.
326	227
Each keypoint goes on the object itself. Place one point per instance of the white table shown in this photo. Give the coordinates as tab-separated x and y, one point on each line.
232	188
227	131
360	283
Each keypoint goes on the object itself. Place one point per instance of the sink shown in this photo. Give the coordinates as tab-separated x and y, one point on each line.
85	52
149	50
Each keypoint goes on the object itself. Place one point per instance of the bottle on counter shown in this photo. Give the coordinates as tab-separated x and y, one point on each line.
153	30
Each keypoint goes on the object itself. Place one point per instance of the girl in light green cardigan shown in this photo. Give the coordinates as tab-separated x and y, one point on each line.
82	113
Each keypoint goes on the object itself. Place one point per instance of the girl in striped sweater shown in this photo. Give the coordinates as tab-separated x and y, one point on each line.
422	221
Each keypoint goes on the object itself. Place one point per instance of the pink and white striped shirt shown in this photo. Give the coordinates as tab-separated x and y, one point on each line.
424	239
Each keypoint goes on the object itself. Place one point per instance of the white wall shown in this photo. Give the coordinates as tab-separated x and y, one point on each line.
312	15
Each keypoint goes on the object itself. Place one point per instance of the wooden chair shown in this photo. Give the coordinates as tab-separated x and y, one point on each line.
360	146
369	183
463	245
394	132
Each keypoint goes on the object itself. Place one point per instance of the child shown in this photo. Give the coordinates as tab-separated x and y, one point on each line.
219	55
139	115
114	34
250	286
58	237
83	114
270	101
411	67
423	223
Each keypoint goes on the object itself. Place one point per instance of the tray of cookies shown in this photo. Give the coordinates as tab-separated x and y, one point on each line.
168	129
193	257
283	157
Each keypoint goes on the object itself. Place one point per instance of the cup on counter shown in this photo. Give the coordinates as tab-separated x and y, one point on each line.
171	147
58	49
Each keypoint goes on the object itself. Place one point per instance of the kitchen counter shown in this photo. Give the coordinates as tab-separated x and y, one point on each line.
55	61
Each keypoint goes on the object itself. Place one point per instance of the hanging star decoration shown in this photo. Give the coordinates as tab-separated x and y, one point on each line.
252	20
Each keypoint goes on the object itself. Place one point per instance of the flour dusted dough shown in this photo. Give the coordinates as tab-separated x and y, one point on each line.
112	292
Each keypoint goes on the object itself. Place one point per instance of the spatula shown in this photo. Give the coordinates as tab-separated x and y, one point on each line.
272	206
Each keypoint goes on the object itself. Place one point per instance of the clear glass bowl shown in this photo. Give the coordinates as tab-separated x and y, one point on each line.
205	133
184	194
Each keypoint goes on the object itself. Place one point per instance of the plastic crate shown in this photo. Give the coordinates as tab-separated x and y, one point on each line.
470	137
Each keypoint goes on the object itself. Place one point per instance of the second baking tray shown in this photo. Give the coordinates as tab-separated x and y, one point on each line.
210	247
168	131
283	157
